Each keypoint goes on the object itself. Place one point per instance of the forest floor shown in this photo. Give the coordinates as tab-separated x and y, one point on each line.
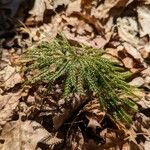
30	121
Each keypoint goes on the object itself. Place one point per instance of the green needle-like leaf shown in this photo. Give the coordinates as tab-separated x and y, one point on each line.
82	69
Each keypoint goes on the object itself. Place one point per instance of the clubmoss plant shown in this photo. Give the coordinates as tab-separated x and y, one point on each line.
83	70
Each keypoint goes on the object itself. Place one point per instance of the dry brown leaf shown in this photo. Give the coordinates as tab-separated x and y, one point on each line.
67	111
112	139
147	82
86	5
90	20
131	146
89	15
146	72
128	30
112	51
100	41
138	82
128	62
142	127
102	11
147	145
144	20
124	3
60	118
142	124
11	82
146	2
50	141
133	52
76	140
74	6
8	104
145	52
94	122
22	135
9	77
97	42
143	99
8	72
57	3
37	12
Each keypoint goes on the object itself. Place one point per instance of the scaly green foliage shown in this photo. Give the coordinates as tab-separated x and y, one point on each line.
83	70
